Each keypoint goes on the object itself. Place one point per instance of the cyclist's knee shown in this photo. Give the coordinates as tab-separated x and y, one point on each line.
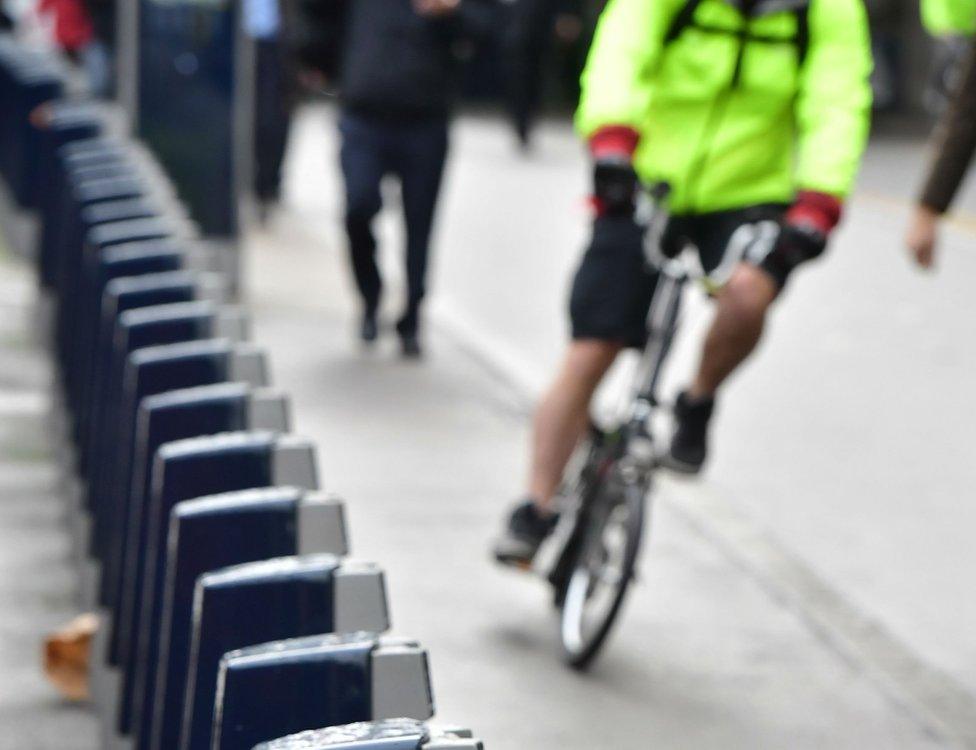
589	359
748	294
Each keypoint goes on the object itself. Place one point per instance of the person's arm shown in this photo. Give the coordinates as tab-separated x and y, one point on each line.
475	19
616	82
955	145
314	31
833	108
615	95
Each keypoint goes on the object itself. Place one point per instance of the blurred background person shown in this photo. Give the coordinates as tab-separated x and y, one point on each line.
70	24
527	40
952	23
956	144
396	76
74	34
97	55
887	19
272	100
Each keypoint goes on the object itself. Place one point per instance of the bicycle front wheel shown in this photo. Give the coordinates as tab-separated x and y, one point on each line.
603	571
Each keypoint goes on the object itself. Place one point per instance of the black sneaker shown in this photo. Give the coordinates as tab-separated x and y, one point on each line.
689	445
410	346
406	329
527	529
368	330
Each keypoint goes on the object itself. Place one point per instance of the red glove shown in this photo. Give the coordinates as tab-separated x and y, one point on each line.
806	227
815	211
614	179
614	142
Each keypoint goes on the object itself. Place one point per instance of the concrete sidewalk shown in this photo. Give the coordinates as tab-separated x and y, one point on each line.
37	582
720	646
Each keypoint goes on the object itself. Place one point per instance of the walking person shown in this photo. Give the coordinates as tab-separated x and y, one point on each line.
396	87
98	56
527	42
527	38
272	100
955	149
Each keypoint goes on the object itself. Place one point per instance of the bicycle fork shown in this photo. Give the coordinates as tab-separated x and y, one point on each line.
662	325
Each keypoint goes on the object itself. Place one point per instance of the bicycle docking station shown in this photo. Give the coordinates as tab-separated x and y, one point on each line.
391	734
360	676
229	613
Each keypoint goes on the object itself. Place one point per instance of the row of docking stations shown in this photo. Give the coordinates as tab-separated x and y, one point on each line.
229	615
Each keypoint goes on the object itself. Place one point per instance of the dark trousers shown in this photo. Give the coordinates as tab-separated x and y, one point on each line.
272	118
414	152
527	39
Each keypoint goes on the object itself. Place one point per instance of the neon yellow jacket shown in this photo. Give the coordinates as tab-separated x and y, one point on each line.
949	16
731	123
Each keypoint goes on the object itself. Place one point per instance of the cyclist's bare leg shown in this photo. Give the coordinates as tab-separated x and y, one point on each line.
562	417
739	320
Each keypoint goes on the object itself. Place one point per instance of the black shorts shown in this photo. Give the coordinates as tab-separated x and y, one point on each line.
613	287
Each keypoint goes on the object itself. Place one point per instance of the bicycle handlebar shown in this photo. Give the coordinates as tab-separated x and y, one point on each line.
682	266
676	267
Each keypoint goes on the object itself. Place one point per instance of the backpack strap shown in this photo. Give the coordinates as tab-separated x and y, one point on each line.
686	16
802	33
681	21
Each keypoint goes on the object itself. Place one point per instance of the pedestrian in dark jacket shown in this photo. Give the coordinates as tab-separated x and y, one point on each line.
955	146
396	85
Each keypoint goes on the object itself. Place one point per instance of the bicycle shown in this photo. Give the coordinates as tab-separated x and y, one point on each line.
593	551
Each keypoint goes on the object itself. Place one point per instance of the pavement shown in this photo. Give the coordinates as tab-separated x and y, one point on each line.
36	578
813	590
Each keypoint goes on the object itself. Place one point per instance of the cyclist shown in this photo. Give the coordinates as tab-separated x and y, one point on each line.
756	112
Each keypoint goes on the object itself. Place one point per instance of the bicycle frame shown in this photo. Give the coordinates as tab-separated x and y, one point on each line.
662	325
635	448
606	493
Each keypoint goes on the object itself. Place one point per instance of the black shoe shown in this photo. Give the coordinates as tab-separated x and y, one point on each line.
406	329
369	330
523	133
267	202
689	445
527	529
410	346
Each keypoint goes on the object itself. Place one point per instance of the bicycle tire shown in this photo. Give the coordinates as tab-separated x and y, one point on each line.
577	489
579	651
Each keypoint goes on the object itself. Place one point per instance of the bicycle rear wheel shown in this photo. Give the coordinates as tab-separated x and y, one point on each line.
603	570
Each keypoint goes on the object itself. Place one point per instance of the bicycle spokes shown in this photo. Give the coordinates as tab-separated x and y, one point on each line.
603	570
